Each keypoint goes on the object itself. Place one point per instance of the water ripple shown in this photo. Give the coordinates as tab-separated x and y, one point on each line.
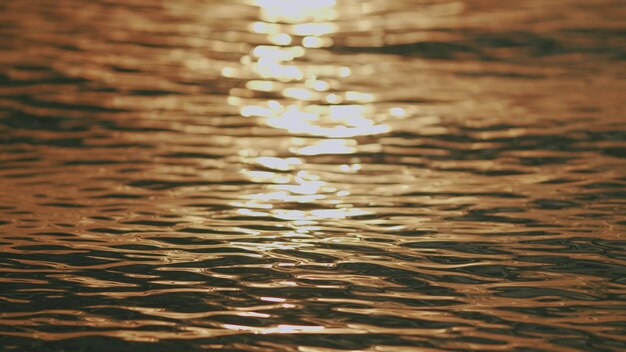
260	175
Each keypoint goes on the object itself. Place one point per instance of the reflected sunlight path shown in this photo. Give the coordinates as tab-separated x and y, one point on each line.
306	100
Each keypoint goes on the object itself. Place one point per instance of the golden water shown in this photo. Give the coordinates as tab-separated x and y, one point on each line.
312	175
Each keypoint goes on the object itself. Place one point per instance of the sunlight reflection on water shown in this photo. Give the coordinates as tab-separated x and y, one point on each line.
311	175
309	106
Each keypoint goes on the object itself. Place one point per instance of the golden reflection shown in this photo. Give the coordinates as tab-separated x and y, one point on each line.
285	91
330	146
282	164
296	11
280	329
335	121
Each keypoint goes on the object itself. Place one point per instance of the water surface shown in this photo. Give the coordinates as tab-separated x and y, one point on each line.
266	175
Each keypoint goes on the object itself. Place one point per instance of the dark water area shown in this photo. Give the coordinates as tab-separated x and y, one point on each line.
312	175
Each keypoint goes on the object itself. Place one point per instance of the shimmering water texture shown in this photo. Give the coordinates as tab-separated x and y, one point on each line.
312	175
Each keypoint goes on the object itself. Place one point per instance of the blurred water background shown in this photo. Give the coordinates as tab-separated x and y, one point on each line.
266	175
